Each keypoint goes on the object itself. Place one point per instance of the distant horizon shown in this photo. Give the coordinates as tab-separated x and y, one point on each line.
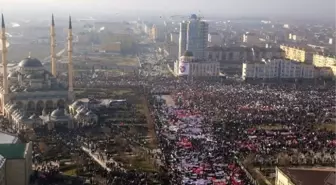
298	9
127	14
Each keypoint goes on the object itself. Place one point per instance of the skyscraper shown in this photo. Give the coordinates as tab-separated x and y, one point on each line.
193	37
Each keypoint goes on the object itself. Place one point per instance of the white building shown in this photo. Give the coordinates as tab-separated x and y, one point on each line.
187	65
277	69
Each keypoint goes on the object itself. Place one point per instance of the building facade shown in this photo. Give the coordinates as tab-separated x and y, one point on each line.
239	54
277	69
326	64
294	53
193	37
320	60
232	58
187	65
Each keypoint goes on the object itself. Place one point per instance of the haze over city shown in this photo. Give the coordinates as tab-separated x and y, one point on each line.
284	8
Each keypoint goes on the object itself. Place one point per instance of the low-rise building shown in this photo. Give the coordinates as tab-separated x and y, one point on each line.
2	170
15	160
277	69
305	176
188	66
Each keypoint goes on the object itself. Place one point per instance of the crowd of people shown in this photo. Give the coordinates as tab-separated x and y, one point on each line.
212	125
217	123
206	129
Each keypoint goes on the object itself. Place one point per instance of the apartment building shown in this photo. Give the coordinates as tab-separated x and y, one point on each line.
240	54
277	69
294	53
232	58
320	60
325	63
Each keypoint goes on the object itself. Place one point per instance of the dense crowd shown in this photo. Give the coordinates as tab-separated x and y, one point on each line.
211	125
206	129
215	124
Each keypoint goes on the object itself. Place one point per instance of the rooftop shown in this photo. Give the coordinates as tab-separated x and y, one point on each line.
309	176
7	138
2	161
13	151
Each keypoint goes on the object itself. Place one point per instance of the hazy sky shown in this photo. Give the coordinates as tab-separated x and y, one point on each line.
309	8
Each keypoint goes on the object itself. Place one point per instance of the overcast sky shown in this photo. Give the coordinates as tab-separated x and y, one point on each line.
309	8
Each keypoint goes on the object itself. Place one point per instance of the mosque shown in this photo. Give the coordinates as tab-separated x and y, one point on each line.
32	95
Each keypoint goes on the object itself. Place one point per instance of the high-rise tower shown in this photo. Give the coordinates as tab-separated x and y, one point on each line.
193	37
52	46
70	70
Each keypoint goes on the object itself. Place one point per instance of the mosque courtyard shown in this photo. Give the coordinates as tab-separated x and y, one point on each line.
123	138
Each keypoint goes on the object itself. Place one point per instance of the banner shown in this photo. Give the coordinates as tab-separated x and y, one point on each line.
183	68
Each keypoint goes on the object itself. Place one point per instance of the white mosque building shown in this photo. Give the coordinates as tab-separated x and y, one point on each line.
32	95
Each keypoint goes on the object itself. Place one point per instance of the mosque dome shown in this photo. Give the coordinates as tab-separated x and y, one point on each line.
58	113
188	54
30	63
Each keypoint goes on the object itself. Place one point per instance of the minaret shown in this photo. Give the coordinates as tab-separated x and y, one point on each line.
52	46
4	64
4	57
70	70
